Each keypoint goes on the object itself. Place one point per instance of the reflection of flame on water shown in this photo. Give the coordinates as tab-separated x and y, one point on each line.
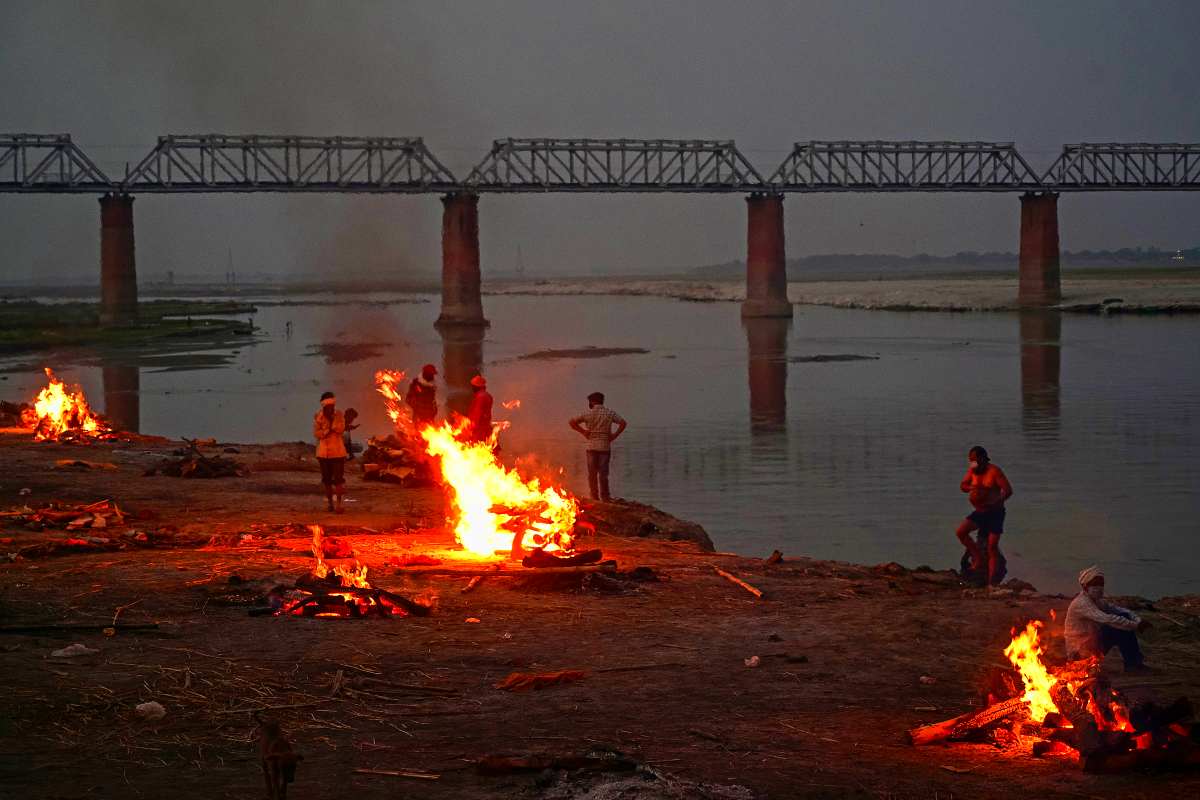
495	508
60	412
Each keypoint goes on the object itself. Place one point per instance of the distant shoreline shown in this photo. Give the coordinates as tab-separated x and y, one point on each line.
1177	292
1160	290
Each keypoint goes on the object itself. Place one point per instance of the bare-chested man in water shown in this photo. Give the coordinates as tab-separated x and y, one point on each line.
988	489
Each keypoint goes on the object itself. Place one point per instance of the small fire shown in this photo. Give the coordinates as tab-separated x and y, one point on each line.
352	577
59	412
338	591
511	404
495	508
1025	653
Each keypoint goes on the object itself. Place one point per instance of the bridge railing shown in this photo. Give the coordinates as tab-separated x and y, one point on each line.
878	166
219	163
613	165
33	162
1125	166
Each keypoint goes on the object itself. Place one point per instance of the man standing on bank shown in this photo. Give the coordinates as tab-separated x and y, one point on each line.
988	488
597	427
328	427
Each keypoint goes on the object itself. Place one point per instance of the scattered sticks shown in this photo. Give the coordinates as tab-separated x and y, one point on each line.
738	581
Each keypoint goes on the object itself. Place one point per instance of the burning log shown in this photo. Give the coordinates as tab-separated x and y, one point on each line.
972	722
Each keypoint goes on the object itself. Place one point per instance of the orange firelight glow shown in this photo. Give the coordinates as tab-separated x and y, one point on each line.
494	508
59	411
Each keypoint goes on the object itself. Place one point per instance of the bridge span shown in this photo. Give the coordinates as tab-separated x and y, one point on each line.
41	163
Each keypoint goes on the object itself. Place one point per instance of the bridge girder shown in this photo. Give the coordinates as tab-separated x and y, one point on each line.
879	166
614	165
32	162
1125	166
220	163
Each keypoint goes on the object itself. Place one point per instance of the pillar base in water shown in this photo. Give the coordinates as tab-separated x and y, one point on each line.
1039	284
118	272
462	303
766	264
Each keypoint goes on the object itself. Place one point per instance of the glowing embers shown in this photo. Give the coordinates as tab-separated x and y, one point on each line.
340	591
494	509
62	414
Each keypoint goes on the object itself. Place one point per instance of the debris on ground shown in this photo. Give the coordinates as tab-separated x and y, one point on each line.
73	651
524	681
194	464
68	516
151	711
80	465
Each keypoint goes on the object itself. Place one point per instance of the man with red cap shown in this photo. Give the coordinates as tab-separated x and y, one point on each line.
422	396
480	412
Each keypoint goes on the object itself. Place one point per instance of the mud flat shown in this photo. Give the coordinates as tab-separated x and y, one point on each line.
1087	293
841	649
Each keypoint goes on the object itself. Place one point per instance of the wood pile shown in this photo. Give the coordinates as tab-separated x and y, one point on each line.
396	459
191	463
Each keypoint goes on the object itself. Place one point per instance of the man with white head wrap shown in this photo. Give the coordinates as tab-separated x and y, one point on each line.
1095	626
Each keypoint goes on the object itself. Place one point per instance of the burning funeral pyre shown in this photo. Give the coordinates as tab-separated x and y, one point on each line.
1073	711
62	414
495	510
338	591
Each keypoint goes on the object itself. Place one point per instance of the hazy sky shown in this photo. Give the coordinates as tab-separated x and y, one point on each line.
118	74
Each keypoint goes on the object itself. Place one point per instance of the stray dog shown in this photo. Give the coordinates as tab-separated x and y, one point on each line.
278	759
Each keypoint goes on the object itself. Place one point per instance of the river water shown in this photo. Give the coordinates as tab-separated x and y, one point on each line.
734	424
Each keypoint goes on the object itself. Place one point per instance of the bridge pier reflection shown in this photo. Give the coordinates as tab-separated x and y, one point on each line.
767	341
766	260
461	300
122	396
462	359
1041	352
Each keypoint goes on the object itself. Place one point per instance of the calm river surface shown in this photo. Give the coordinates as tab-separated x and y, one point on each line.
1095	420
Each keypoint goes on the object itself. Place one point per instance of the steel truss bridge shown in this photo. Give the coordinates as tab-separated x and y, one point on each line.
40	163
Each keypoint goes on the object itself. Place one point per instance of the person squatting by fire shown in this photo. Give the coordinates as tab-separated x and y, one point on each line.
987	488
328	426
1094	626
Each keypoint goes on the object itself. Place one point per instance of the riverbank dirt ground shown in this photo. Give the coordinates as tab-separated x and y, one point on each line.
842	651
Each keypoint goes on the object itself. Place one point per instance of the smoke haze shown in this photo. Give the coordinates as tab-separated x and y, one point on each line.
118	74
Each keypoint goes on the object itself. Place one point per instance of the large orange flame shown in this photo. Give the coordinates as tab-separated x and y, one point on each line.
58	411
495	508
1025	653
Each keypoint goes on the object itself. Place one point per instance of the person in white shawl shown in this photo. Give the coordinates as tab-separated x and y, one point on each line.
1095	626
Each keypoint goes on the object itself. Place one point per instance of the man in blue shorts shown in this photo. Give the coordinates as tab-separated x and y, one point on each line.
988	489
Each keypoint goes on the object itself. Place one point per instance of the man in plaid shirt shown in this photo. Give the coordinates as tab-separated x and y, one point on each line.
597	427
